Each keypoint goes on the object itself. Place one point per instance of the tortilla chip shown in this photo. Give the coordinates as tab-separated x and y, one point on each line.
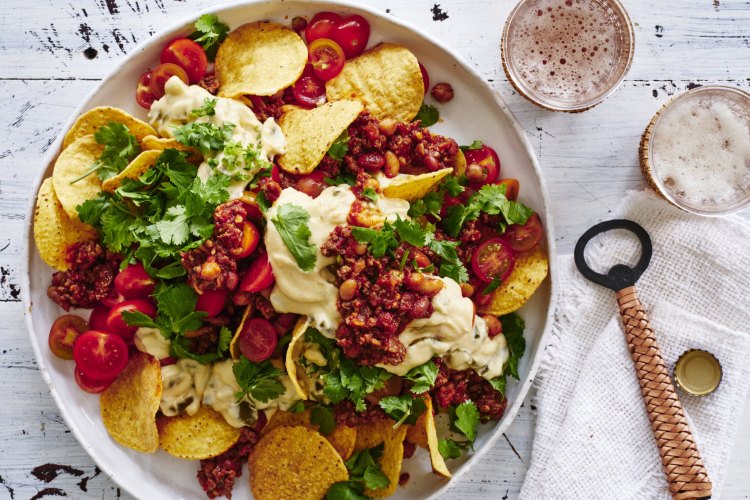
73	162
342	437
414	187
54	231
151	142
95	118
234	349
293	352
386	79
531	269
459	164
259	58
311	132
203	435
374	433
294	462
390	462
428	420
129	405
135	169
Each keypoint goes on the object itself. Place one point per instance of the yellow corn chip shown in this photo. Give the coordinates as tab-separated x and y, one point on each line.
413	187
311	132
234	349
203	435
390	461
293	352
386	79
259	58
129	405
73	162
98	117
374	433
294	463
428	420
151	142
54	231
135	169
342	437
459	164
530	270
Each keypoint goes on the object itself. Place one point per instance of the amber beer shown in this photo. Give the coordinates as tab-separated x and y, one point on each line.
567	55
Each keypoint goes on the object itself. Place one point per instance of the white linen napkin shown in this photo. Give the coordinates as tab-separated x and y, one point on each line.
593	439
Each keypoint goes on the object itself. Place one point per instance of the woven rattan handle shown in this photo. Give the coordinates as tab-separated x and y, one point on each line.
686	474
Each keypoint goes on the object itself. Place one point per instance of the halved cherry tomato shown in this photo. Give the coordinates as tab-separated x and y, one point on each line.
482	165
113	298
98	318
133	282
511	188
212	302
249	242
352	34
425	78
493	259
253	211
258	340
63	334
90	384
162	74
100	355
309	90
524	238
259	276
326	57
188	55
312	184
117	325
322	25
143	95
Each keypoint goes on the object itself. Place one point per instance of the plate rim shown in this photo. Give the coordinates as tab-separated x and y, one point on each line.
181	22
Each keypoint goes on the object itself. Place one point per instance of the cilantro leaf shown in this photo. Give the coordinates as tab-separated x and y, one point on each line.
225	338
342	178
370	194
364	468
208	108
455	271
429	205
323	418
427	115
498	383
210	33
492	286
423	376
120	147
207	137
258	380
491	199
380	241
297	407
340	146
292	223
457	215
411	232
477	144
452	185
467	420
449	448
404	408
513	326
346	490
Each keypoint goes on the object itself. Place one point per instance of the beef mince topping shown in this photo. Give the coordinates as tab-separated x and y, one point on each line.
217	475
453	387
88	280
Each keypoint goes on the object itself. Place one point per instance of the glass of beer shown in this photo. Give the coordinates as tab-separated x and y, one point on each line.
567	55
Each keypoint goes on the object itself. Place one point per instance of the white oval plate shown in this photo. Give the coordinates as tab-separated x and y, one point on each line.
477	112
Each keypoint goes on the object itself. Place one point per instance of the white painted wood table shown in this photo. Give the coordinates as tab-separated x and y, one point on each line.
52	52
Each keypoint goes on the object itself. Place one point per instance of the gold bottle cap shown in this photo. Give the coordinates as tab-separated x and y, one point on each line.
698	372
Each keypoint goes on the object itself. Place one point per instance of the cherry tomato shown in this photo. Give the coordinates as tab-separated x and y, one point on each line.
322	25
63	334
493	259
326	57
253	211
98	318
113	298
284	323
212	302
309	90
143	95
275	174
188	55
100	355
449	201
312	184
482	165
259	276
511	188
117	325
249	242
133	282
425	78
90	384
524	238
352	34
258	340
162	74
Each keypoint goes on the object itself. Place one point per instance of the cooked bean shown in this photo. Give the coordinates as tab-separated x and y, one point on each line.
392	165
348	289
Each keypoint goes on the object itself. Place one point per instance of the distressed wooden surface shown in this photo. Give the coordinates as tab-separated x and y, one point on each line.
52	52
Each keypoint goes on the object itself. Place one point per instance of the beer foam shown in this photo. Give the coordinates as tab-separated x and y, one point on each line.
568	49
701	151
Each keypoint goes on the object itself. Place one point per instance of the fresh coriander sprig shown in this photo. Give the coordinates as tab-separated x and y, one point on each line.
120	148
210	33
292	223
403	409
260	381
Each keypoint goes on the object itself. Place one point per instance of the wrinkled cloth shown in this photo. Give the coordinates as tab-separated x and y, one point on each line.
593	438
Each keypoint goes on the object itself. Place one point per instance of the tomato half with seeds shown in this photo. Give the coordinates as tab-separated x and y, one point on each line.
63	334
493	259
309	90
352	34
143	95
482	165
327	58
259	275
249	241
258	340
90	384
100	355
211	302
524	238
322	25
162	74
511	188
188	55
115	322
98	318
133	282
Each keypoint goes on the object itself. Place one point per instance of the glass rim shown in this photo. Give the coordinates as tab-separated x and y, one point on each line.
518	83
